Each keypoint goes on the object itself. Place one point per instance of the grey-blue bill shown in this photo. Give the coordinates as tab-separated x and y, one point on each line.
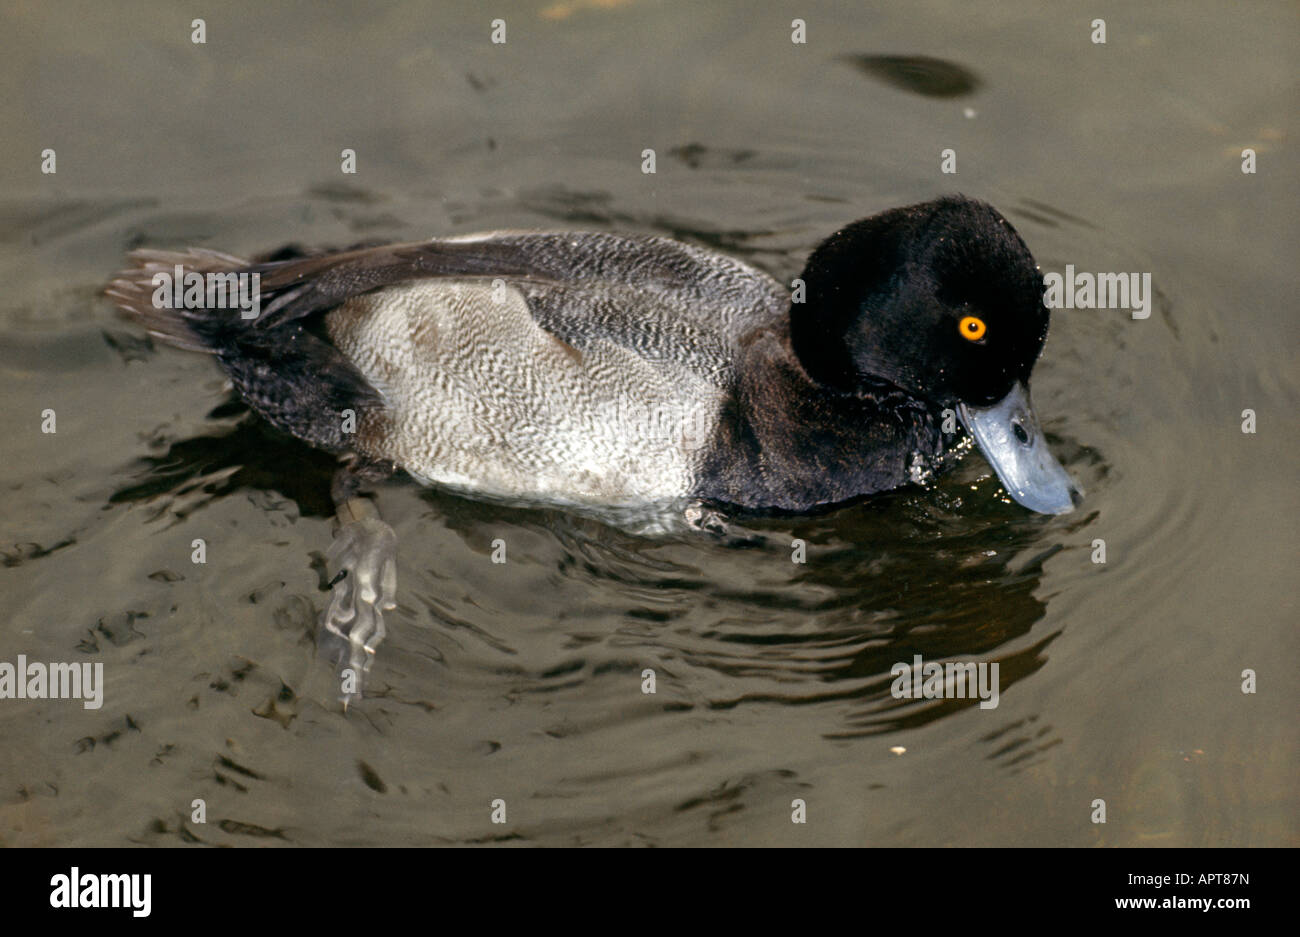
1009	436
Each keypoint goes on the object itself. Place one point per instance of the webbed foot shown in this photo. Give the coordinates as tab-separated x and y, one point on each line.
365	553
700	517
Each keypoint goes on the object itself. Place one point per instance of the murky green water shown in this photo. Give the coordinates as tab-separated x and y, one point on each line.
522	681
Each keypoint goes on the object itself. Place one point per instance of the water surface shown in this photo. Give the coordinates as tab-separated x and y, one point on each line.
522	681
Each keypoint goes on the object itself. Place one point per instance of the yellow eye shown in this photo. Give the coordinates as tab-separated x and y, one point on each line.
972	329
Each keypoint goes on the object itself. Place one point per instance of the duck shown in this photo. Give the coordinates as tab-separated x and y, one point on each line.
598	370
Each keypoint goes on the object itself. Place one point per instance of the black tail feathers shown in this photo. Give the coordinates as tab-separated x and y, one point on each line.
289	373
137	291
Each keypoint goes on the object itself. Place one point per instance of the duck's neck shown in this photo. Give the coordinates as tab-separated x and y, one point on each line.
790	442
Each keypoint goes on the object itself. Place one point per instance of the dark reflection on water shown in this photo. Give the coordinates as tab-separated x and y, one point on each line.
250	455
920	74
